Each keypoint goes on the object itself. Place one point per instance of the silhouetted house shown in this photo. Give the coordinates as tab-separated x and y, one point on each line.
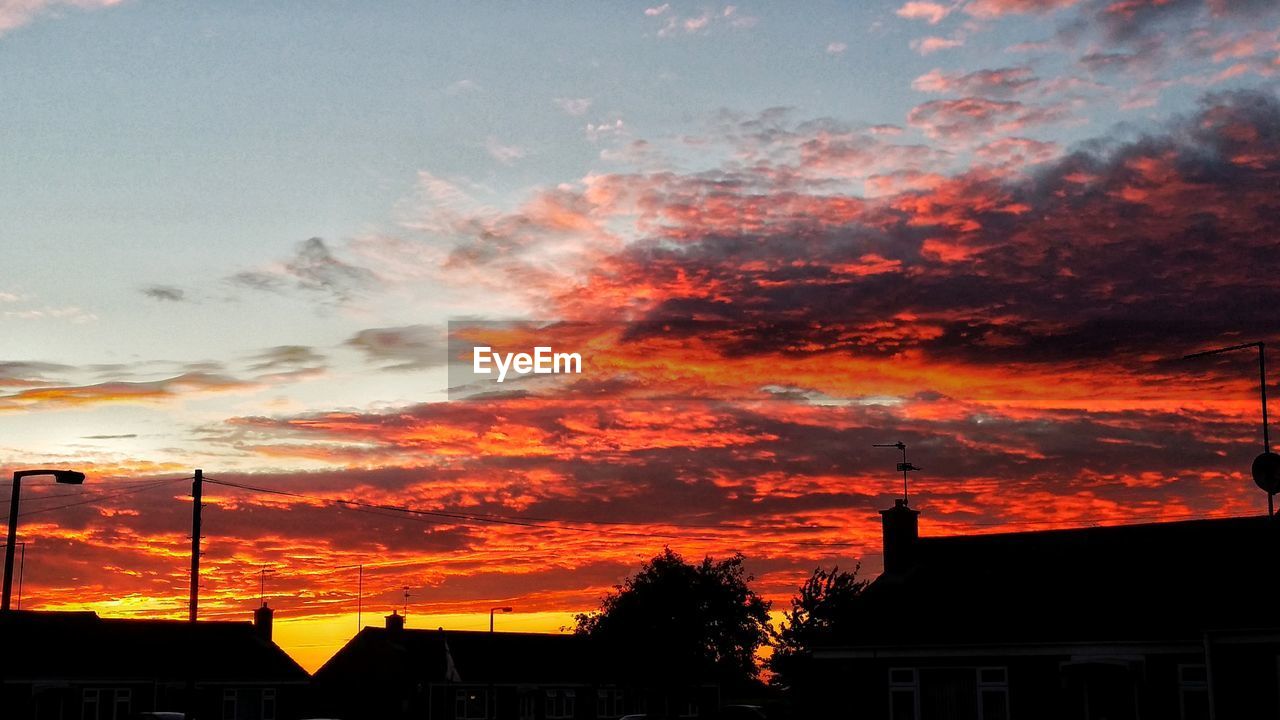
78	666
1172	620
394	672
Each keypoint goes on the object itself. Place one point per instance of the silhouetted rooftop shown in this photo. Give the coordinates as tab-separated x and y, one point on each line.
477	656
1151	582
83	645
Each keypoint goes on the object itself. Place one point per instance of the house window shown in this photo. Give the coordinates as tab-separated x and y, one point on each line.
528	706
470	704
229	704
609	703
689	708
105	703
904	694
269	704
89	704
561	703
1193	692
993	693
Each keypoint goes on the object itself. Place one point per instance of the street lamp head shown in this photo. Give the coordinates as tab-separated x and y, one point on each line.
506	609
66	477
69	477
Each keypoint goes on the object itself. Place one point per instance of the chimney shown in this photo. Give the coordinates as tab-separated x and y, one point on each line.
901	531
262	621
395	622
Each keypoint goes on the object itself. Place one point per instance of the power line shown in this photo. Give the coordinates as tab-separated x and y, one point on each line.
96	492
1093	522
544	524
579	526
433	516
97	498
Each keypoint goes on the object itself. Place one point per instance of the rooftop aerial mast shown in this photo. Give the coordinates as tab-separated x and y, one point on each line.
904	467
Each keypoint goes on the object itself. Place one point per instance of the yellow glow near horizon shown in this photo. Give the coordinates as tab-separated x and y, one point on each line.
312	640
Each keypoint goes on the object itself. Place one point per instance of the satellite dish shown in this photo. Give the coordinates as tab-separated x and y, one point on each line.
1266	472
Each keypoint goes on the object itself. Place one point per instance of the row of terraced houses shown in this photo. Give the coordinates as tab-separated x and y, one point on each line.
1168	620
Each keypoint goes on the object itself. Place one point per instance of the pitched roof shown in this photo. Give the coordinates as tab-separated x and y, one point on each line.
1151	582
72	645
477	656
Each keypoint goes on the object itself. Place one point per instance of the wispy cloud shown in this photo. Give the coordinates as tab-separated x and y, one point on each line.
17	13
410	347
574	106
932	44
165	293
999	82
931	12
463	86
998	8
68	313
702	23
121	391
313	269
970	118
505	154
600	131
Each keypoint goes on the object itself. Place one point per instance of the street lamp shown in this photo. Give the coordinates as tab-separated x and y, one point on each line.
66	477
1266	467
494	610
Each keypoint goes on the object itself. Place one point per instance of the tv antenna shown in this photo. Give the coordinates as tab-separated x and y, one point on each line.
1266	467
904	467
406	601
262	584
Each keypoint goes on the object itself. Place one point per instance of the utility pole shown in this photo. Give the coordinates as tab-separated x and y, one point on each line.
197	500
197	494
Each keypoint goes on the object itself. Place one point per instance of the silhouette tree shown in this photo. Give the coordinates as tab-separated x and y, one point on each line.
824	599
675	620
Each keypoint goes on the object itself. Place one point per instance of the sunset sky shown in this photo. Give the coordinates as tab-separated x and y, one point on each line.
234	236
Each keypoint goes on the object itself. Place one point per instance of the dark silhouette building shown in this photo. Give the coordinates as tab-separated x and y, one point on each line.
394	672
1169	620
78	666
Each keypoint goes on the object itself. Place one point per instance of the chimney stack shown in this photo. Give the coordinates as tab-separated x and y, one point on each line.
901	533
395	622
262	621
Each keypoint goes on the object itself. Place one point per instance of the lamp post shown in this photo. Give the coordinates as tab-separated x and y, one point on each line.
1266	467
66	477
494	610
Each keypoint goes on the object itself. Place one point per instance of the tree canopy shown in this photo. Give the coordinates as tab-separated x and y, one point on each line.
824	599
677	619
